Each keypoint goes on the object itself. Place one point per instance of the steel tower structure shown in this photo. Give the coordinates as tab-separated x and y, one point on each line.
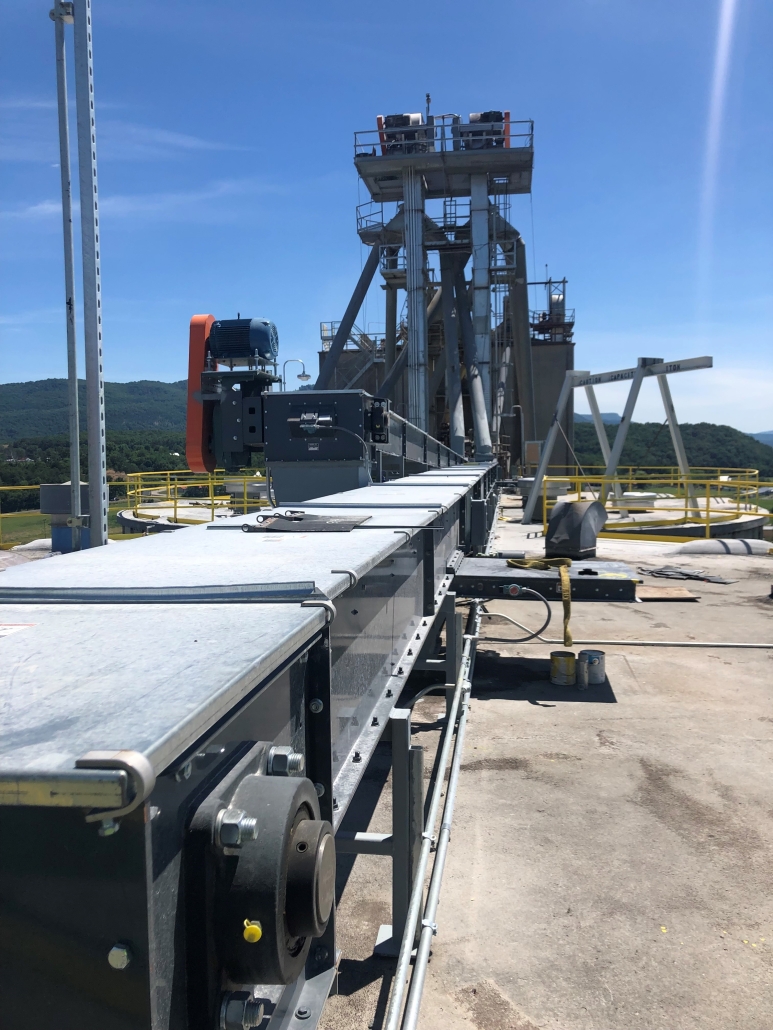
462	362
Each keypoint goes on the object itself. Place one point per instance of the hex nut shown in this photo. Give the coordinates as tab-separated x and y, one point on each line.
283	760
240	1011
119	956
233	827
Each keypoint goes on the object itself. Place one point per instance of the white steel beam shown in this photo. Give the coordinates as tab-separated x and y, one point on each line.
547	449
655	369
413	200
60	15
676	436
92	290
481	281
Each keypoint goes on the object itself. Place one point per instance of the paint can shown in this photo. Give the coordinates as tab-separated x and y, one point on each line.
563	668
590	669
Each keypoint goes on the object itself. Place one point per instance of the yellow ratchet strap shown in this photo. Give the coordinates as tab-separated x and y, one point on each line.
566	597
563	565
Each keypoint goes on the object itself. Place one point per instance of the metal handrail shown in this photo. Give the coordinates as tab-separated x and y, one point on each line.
165	487
444	135
453	734
31	512
692	503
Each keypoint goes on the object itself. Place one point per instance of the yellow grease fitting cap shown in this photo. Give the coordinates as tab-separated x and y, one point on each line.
253	931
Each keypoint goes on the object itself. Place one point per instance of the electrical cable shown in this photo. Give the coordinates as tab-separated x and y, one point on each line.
576	460
368	459
512	640
613	643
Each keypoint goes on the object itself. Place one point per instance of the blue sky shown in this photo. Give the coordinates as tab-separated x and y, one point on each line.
226	179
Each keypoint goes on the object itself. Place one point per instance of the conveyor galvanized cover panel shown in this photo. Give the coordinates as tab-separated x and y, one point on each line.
190	686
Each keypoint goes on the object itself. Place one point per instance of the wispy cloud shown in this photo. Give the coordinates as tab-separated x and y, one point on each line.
130	141
26	104
30	135
41	211
200	205
47	316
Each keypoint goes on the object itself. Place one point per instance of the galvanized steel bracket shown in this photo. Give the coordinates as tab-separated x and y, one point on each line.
135	764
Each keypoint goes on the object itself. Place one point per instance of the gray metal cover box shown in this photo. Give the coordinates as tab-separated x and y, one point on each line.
55	499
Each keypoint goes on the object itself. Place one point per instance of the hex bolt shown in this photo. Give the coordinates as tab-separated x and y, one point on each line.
390	693
356	757
321	954
302	1012
315	705
233	827
107	827
320	789
184	772
283	760
240	1011
335	803
374	721
119	956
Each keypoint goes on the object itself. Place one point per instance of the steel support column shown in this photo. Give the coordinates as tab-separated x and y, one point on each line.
474	383
92	290
481	280
555	429
407	820
625	423
519	315
601	432
415	275
59	17
453	369
676	437
345	327
390	336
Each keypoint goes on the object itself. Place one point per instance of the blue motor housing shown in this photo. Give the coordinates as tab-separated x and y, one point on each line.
244	340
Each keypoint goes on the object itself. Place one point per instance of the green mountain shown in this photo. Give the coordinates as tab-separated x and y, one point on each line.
39	408
649	443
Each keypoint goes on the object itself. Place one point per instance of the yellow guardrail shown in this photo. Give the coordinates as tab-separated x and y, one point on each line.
25	516
174	490
181	490
706	500
636	475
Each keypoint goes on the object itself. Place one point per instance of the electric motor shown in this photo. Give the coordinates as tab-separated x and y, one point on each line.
243	340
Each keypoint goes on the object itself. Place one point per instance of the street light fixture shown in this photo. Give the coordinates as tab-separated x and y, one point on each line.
303	375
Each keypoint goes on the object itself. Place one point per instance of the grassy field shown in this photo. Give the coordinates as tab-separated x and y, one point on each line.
20	527
23	526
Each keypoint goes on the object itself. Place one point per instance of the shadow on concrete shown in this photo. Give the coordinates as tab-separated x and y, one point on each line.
528	679
354	974
361	808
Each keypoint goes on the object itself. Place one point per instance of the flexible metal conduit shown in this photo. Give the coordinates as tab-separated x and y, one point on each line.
460	700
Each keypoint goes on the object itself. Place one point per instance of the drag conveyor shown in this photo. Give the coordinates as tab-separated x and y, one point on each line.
186	719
